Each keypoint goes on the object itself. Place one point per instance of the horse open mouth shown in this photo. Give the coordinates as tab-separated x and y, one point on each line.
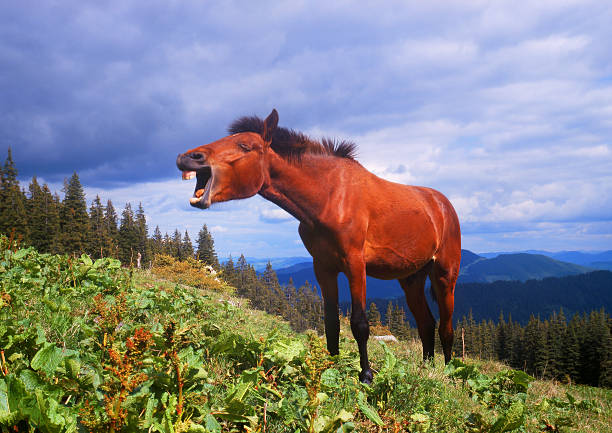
201	194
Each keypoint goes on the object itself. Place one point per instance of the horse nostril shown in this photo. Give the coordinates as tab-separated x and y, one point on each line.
196	156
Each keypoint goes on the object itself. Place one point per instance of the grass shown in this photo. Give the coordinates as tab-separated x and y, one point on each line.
446	402
91	346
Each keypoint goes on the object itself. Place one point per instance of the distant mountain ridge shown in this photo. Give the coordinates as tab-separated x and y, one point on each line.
518	267
474	269
597	260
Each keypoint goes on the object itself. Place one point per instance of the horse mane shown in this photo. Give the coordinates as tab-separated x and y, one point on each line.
291	144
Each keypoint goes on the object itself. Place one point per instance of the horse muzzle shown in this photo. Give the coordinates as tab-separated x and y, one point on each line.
193	161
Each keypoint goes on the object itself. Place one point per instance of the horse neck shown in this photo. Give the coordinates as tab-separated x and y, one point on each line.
298	187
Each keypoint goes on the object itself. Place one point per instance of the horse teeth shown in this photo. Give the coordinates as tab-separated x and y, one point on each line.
188	175
194	200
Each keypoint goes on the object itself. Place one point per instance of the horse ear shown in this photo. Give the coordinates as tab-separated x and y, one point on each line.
269	126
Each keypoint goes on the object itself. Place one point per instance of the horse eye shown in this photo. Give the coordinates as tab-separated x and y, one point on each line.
245	146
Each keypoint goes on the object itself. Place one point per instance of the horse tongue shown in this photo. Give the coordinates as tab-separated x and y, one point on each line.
188	175
199	193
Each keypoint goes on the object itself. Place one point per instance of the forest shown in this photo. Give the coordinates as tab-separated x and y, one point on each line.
574	349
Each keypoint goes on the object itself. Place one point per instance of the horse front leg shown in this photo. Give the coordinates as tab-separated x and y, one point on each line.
328	280
356	274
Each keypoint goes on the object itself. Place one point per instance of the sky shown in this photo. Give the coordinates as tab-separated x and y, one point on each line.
506	110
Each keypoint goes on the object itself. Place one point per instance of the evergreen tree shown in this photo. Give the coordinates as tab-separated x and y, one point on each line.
389	322
472	342
570	356
245	277
402	329
129	237
187	247
98	239
516	346
229	271
176	245
156	242
43	218
74	220
502	336
168	246
373	315
142	230
541	355
596	341
272	295
206	248
13	215
111	249
605	370
556	344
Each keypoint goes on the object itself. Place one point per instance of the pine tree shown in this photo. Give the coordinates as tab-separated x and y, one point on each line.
595	343
373	315
556	344
243	278
402	330
605	369
502	337
570	356
142	246
98	238
206	248
111	249
541	355
229	271
168	246
74	220
176	244
43	218
472	340
129	238
156	242
389	323
488	339
13	215
187	247
272	295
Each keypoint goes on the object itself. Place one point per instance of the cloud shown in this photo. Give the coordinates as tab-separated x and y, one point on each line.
274	215
506	110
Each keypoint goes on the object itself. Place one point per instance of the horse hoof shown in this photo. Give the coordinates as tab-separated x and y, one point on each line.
366	376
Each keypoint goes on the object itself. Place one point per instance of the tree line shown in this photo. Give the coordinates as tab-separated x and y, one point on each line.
301	306
578	350
40	218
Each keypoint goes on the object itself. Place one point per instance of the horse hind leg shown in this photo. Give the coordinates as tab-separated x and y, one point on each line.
414	289
443	277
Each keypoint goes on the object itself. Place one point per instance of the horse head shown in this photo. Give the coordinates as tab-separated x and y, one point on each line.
230	168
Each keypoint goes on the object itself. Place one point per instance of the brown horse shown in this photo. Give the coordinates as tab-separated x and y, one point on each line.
351	221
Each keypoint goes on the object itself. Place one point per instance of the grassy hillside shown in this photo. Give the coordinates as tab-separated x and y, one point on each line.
88	346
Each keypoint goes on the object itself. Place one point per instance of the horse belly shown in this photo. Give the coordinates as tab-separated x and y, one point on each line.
387	264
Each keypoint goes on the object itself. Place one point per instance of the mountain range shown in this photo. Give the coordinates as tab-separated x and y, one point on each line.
596	260
475	268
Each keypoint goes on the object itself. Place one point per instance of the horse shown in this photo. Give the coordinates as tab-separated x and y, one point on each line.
351	221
